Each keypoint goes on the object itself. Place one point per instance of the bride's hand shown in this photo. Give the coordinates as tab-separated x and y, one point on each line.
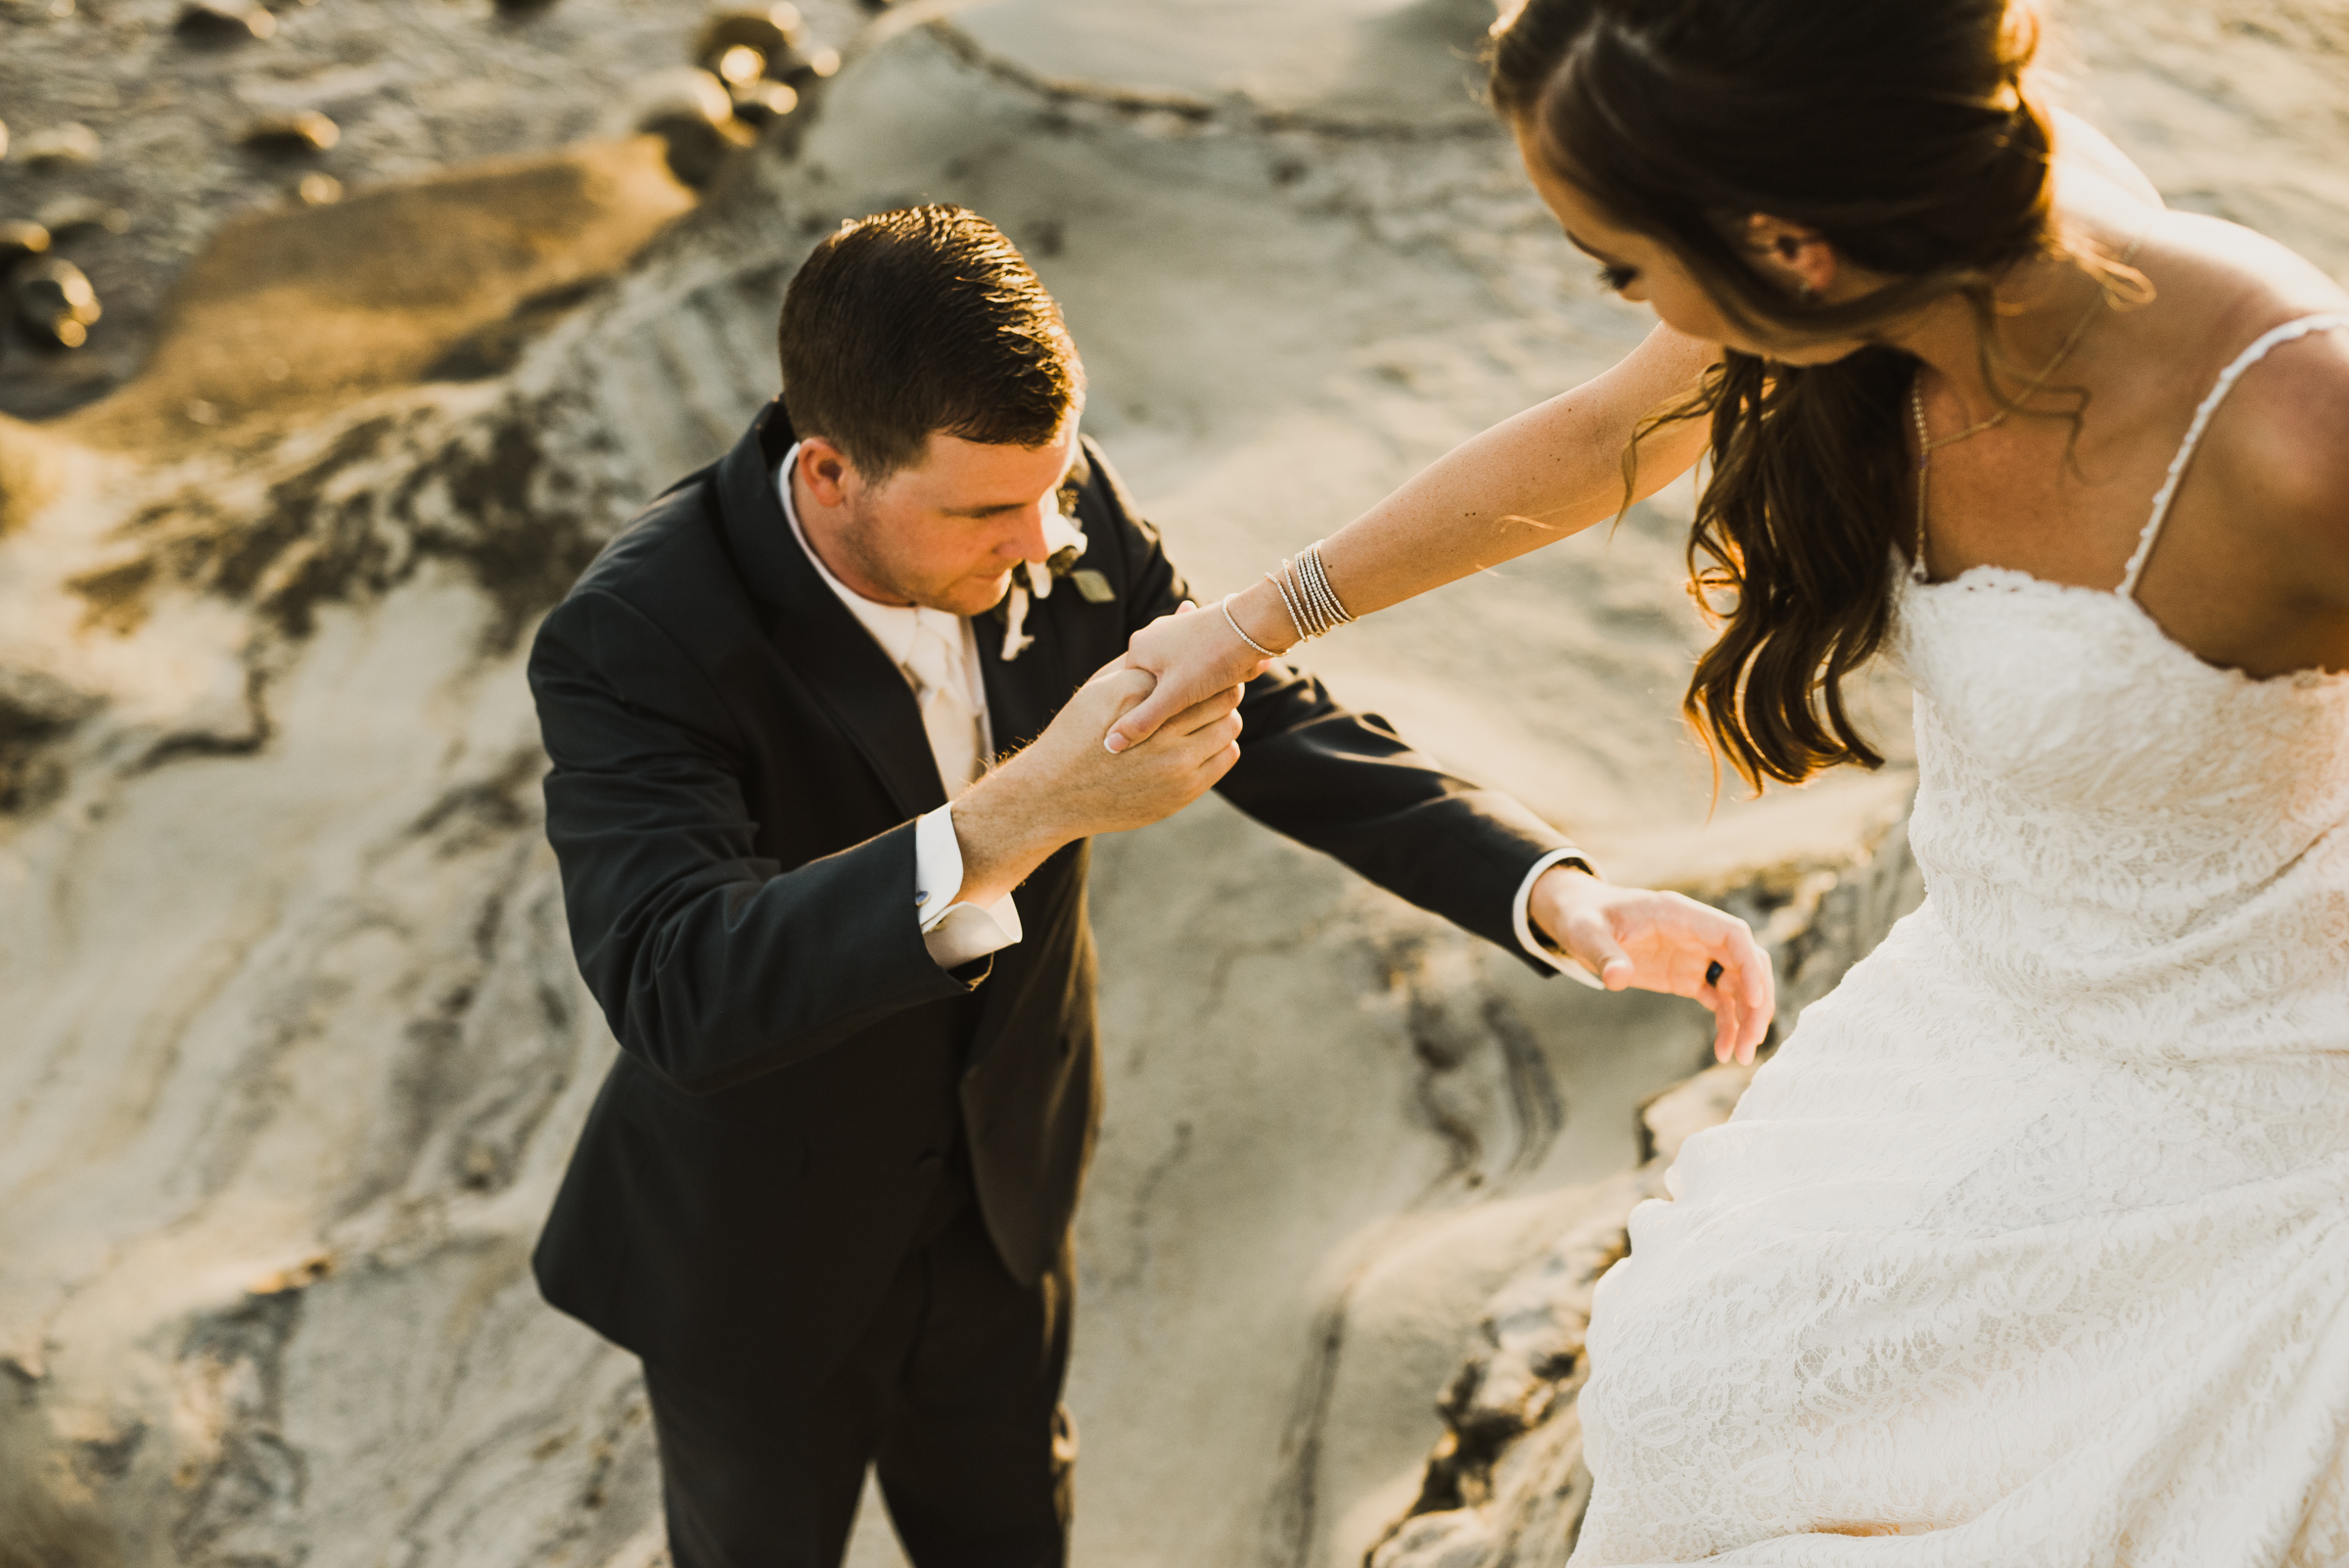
1191	651
1663	942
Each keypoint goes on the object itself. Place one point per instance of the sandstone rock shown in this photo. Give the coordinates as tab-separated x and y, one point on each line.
295	1046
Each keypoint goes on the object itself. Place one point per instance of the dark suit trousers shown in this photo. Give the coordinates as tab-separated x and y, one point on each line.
953	1394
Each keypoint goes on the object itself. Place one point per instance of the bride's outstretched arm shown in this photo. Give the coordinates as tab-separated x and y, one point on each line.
1550	471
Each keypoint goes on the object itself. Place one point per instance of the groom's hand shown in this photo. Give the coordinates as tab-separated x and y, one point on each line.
1064	786
1662	942
1190	654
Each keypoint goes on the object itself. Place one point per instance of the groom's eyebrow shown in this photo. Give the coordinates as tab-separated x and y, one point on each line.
977	512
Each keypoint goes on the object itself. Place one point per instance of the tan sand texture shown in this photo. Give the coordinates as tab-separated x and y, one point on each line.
295	1051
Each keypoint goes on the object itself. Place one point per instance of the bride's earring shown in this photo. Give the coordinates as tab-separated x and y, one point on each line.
1790	251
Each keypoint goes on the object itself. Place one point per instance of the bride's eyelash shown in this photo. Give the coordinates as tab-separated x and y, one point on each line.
1614	277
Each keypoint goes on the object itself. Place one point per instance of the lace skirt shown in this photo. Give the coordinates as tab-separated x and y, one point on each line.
1995	1284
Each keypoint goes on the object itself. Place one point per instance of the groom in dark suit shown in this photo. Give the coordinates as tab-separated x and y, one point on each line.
825	1192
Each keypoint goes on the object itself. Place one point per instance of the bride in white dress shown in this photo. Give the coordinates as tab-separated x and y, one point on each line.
2031	1245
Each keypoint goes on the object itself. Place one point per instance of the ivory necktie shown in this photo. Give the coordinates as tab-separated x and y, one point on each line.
942	686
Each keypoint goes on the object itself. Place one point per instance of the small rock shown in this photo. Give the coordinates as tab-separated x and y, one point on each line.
3	138
318	190
288	135
692	112
800	66
740	64
54	301
766	34
78	214
225	21
70	143
21	240
763	103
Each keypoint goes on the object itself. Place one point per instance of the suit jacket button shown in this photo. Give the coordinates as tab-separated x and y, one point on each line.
929	1163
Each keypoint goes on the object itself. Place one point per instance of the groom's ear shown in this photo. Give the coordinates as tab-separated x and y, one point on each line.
826	471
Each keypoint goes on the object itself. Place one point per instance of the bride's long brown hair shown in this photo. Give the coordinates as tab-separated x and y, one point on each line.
1901	132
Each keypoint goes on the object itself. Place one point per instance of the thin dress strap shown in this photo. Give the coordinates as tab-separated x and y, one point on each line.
2193	433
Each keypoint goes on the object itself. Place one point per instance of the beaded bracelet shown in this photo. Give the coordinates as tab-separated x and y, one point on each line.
1315	609
1241	633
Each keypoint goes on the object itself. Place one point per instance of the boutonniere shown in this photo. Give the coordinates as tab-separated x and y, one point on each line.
1064	546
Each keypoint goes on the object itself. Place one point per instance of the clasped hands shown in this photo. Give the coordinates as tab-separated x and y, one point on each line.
1181	681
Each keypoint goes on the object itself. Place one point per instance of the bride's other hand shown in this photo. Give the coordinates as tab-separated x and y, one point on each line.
1194	654
1631	937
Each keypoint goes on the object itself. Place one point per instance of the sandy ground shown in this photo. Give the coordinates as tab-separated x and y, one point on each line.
280	939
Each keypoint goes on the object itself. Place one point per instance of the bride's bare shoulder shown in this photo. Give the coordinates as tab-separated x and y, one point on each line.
2281	446
2278	446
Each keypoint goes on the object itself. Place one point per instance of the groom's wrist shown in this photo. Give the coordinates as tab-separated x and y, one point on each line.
1558	875
1006	827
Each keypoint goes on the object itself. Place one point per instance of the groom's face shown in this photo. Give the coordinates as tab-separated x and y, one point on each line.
943	532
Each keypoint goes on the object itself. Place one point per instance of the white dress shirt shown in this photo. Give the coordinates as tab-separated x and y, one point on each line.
958	933
913	637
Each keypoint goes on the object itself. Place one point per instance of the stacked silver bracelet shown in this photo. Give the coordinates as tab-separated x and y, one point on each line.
1304	588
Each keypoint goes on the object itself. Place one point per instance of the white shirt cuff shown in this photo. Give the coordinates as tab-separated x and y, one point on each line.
957	934
1521	914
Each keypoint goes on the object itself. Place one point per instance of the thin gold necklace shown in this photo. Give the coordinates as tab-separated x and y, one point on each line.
1927	445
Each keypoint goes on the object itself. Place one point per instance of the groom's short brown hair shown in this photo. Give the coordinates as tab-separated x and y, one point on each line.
922	320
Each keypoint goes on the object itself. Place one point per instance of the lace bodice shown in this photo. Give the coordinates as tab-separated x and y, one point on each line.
2032	1243
2105	822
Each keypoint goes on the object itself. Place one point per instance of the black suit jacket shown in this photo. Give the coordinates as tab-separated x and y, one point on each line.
737	771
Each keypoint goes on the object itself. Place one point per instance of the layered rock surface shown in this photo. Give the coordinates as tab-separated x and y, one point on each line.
294	1048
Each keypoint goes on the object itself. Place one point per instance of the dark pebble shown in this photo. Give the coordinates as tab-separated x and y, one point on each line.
697	148
21	240
59	146
54	301
291	135
79	215
225	21
691	112
763	103
801	66
768	34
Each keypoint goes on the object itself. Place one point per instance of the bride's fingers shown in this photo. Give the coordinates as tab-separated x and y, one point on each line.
1749	972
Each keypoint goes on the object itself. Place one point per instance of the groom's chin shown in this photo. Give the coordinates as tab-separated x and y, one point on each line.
975	596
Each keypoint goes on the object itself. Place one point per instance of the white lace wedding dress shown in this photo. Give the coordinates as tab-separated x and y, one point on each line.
2030	1249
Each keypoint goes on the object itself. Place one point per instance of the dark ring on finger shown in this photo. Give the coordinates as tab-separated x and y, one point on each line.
1713	973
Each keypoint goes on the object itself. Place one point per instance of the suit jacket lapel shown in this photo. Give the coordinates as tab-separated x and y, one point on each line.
866	696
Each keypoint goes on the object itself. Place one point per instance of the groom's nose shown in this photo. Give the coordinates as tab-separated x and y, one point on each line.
1025	539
